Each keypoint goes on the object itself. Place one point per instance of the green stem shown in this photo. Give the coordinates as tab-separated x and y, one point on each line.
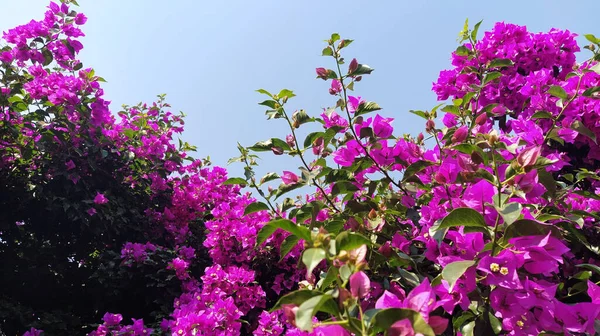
499	189
554	120
344	90
260	192
314	181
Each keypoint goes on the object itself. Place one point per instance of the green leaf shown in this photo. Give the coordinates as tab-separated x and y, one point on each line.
558	91
347	241
308	141
285	93
421	114
591	267
527	227
451	109
385	318
343	187
366	107
285	188
453	271
310	307
255	207
48	58
362	69
269	103
327	51
287	245
235	180
265	92
312	257
334	226
581	129
462	51
475	30
490	77
590	92
510	212
280	143
335	37
269	177
415	168
266	231
542	115
330	277
500	63
592	38
297	298
495	323
262	146
467	329
15	99
463	217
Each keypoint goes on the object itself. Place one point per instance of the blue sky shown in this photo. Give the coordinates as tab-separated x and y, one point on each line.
209	57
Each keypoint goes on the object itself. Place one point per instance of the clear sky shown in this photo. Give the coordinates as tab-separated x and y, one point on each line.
209	57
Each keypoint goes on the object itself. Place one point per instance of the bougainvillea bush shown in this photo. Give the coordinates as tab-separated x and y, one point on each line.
484	224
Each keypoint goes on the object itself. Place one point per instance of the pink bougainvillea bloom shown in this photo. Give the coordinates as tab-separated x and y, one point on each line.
501	270
330	330
318	146
388	300
353	103
336	87
335	120
80	19
382	127
401	328
421	298
358	254
33	332
91	211
542	254
100	199
528	156
70	165
359	284
593	292
289	178
438	324
112	319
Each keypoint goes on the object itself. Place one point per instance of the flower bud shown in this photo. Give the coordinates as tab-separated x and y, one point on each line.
322	73
429	125
460	134
528	156
360	285
420	138
353	66
289	312
289	139
492	137
386	249
481	119
277	150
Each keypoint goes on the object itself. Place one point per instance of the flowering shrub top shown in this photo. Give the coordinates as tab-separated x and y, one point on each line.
491	230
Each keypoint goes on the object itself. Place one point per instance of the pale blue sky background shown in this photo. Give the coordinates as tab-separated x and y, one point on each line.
210	56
